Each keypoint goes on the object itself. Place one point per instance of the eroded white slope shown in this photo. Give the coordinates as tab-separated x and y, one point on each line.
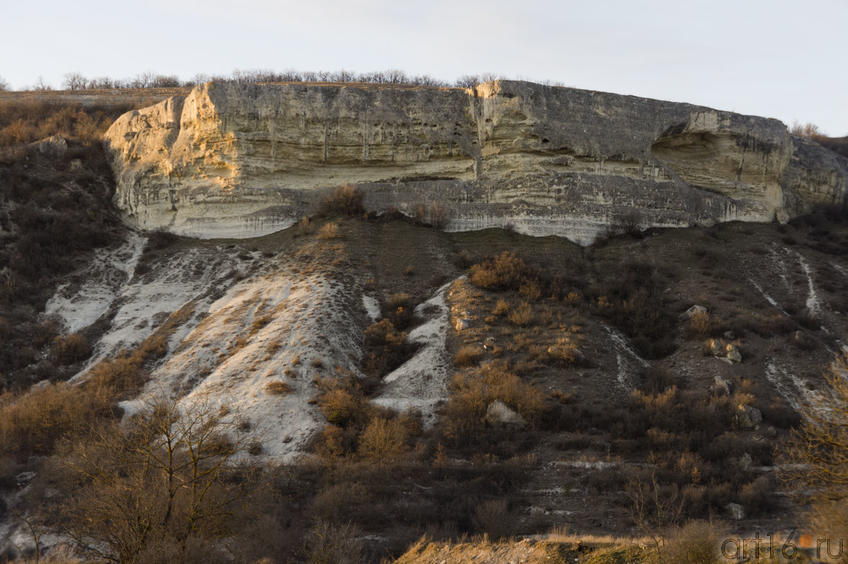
93	290
278	327
420	384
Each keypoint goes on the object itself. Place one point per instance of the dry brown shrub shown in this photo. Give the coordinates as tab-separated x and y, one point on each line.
166	468
433	214
339	544
383	440
501	272
472	392
345	200
467	355
530	290
697	542
260	322
329	231
565	350
501	307
70	349
386	347
305	226
522	315
493	518
399	299
702	324
335	442
33	422
342	400
562	397
278	388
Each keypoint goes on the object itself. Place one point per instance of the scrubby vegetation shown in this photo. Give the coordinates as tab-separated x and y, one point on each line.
345	200
534	392
56	209
75	81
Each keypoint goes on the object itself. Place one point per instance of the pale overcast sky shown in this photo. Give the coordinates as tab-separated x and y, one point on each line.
778	58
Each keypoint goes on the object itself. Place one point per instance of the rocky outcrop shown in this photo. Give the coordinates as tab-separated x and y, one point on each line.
244	160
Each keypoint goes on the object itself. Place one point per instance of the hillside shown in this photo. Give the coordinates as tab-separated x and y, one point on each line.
380	379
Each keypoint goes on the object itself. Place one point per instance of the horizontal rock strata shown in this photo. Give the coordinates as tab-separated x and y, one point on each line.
236	160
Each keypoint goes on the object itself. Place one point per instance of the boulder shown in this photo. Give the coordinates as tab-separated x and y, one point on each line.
745	462
24	478
695	310
735	511
747	417
720	386
499	413
54	146
716	347
462	323
733	354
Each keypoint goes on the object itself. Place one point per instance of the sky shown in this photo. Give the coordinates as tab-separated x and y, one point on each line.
776	58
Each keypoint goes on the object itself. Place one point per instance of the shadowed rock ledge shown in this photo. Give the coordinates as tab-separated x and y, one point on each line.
241	160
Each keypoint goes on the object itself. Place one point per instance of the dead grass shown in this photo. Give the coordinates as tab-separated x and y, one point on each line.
329	231
467	355
278	388
522	315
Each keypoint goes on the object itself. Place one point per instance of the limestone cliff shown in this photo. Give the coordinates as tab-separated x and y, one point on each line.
244	160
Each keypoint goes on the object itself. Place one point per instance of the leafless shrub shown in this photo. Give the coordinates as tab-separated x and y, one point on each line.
493	518
337	544
697	542
168	469
433	213
383	440
345	200
70	349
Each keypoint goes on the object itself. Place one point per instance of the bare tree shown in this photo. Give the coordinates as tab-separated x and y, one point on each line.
655	508
467	81
819	450
40	85
165	479
805	129
3	84
74	81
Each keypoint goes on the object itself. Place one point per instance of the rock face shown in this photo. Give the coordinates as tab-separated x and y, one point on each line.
245	160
